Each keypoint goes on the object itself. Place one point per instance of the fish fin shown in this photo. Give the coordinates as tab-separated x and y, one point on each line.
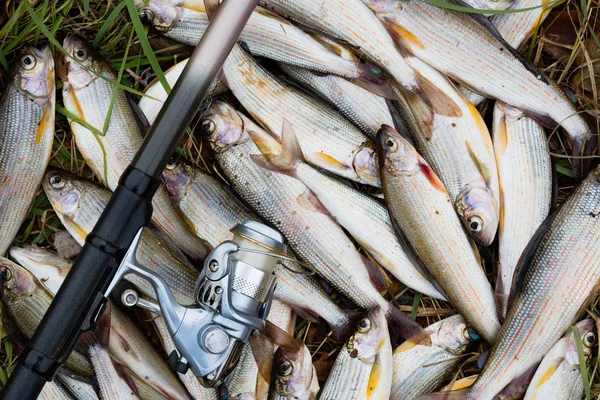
328	162
271	14
375	82
486	24
517	387
211	7
340	333
404	40
431	176
126	378
550	371
483	170
483	358
309	201
281	338
501	301
305	313
262	350
400	324
453	395
414	258
377	277
101	334
570	94
437	100
524	262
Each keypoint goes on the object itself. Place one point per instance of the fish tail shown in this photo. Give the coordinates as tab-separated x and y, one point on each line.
285	161
453	395
400	324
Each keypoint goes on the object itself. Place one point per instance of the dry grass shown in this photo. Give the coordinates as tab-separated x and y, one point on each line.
561	57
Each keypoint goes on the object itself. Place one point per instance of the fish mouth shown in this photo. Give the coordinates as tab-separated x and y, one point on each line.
366	166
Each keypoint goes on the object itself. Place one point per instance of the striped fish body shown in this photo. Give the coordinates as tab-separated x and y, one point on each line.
26	135
550	292
525	172
79	389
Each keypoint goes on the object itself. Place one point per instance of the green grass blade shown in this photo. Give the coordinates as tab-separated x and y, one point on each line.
108	23
582	364
86	6
415	306
141	34
94	131
450	6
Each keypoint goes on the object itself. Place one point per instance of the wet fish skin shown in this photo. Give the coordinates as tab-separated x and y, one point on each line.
328	139
365	109
363	368
525	171
417	198
88	93
459	46
26	135
77	388
27	302
365	218
558	376
79	204
285	203
550	292
156	95
265	35
55	391
294	373
422	369
208	204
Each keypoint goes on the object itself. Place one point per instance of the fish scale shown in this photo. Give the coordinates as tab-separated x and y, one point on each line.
81	390
455	44
265	35
563	272
329	140
347	380
26	135
111	385
365	109
89	94
54	391
314	237
419	204
525	171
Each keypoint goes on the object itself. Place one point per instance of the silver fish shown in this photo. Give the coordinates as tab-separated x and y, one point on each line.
558	377
460	46
416	199
490	4
48	267
265	35
525	171
79	204
365	218
289	206
155	94
78	388
365	109
294	373
88	94
55	391
26	135
328	139
363	368
421	369
549	290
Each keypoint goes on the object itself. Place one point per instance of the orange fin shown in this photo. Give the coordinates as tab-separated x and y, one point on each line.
310	202
327	162
405	41
439	102
432	177
454	395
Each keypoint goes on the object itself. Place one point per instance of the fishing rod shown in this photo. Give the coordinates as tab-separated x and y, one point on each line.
242	275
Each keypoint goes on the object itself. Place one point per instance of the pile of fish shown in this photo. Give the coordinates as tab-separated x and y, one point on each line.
361	141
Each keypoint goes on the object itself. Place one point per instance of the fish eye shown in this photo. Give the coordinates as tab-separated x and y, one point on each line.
391	144
172	163
146	16
28	62
57	182
470	334
475	224
589	339
80	53
207	127
286	368
364	325
5	275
